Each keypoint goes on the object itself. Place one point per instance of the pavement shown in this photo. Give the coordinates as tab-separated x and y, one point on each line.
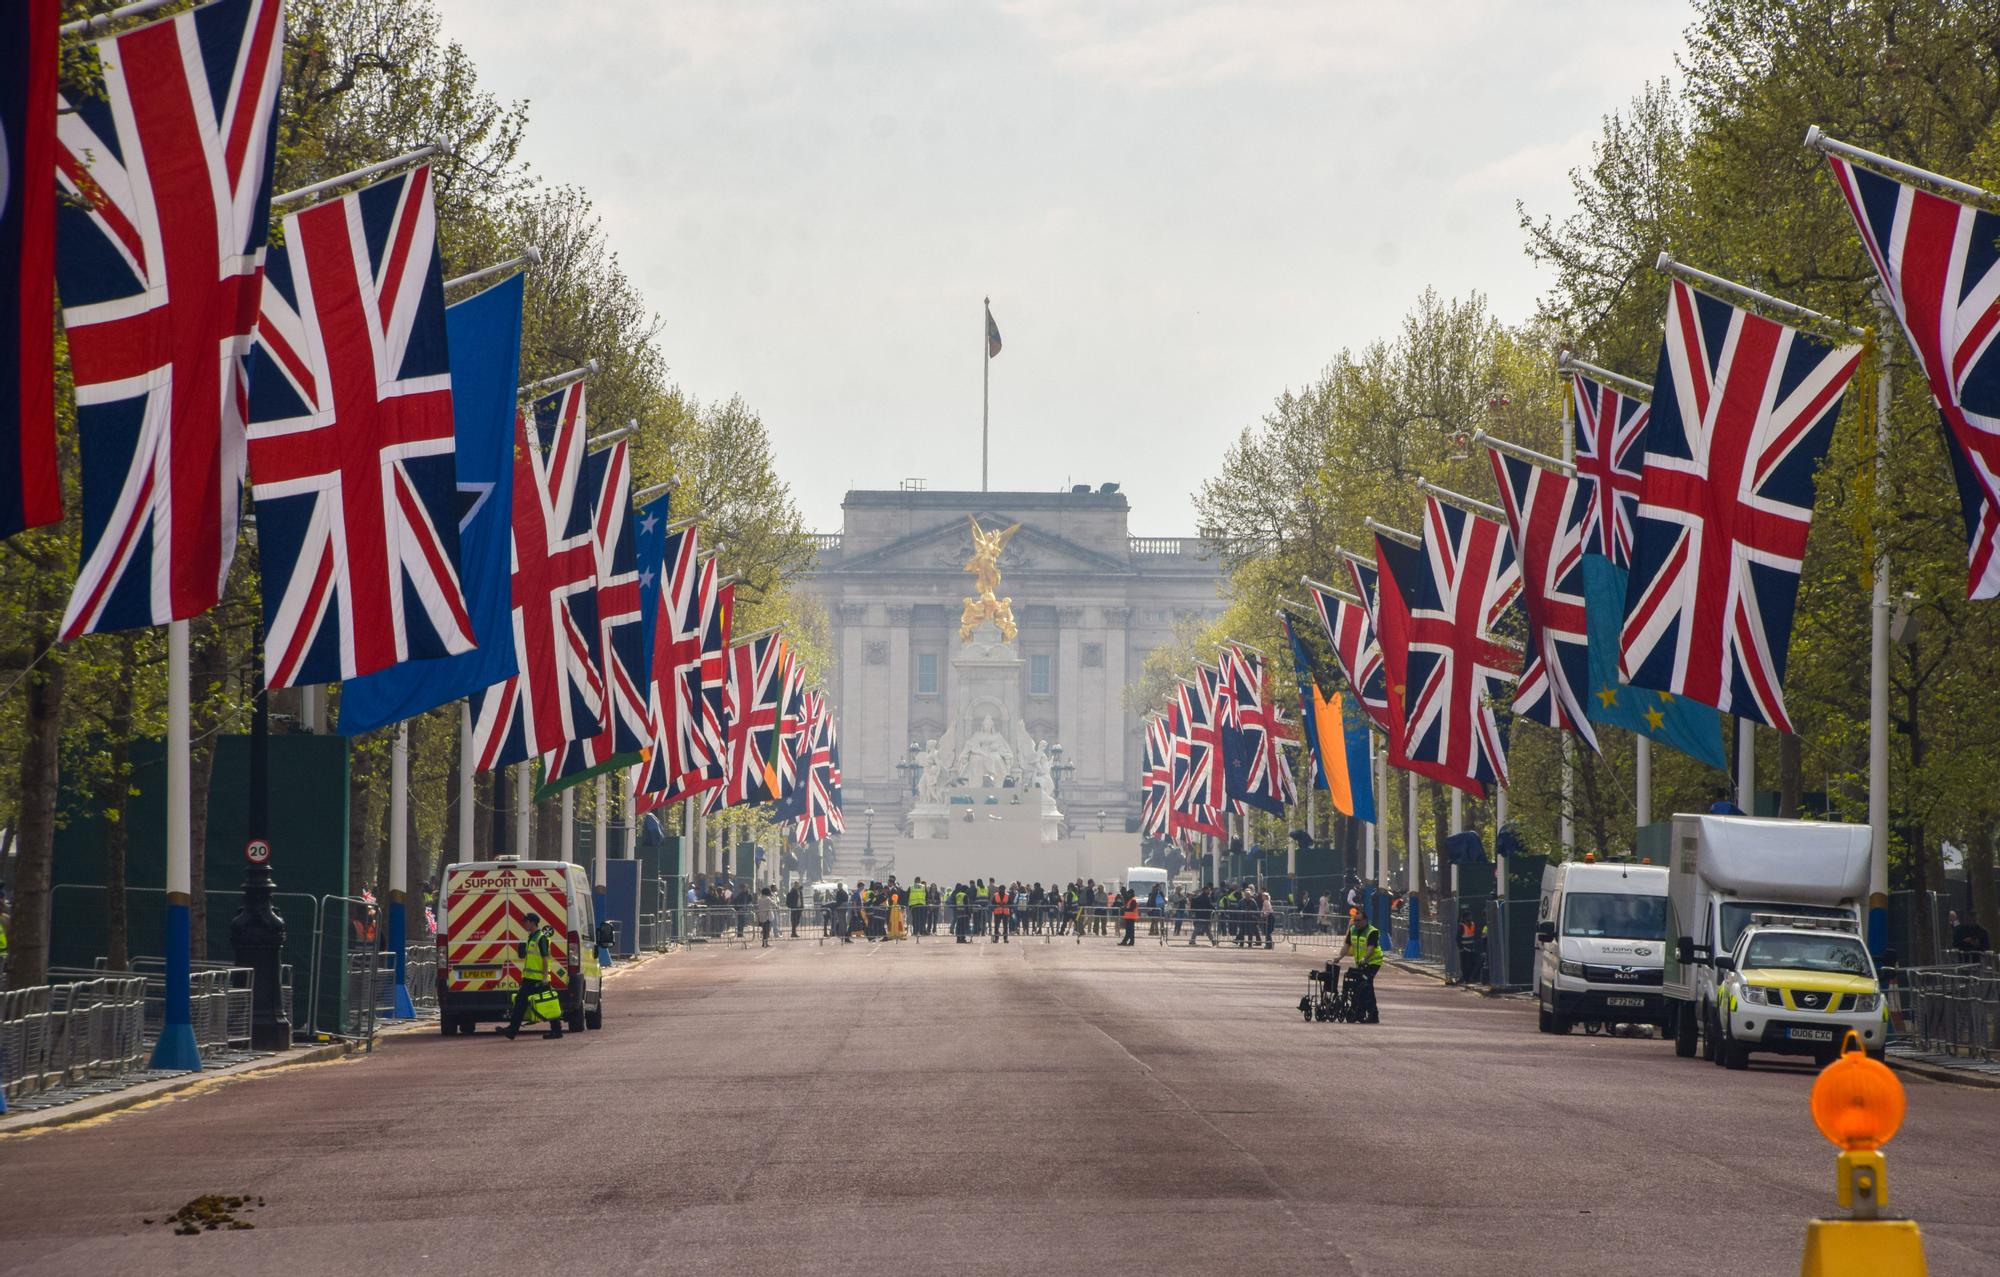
1038	1108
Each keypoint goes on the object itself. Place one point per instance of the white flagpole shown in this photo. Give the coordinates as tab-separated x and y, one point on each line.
1746	766
1499	861
985	384
1566	823
1642	794
1457	827
568	844
175	1048
523	785
1878	675
601	843
399	864
466	812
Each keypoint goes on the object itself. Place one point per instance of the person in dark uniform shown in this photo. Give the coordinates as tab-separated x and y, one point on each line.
795	901
535	971
1128	913
1364	946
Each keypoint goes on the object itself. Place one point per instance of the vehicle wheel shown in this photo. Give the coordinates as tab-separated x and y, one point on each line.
467	1028
1682	1032
1709	1038
593	1017
1593	1027
573	1016
1735	1055
1544	1021
448	1025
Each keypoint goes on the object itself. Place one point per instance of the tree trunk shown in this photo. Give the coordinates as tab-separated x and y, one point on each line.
208	665
1926	865
114	801
28	951
1791	775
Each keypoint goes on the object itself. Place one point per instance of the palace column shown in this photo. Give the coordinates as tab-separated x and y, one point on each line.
1069	679
1116	622
899	695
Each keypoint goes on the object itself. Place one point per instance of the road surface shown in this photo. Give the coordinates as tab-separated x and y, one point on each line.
1024	1109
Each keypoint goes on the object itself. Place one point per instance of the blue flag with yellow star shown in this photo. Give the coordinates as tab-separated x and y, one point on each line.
1666	719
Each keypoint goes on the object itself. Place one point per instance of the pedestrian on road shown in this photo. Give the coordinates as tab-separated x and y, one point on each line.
1468	948
795	901
1364	947
535	969
1129	913
1268	916
1003	915
767	915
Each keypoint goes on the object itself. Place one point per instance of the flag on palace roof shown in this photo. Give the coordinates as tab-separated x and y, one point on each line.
351	441
160	259
1743	413
30	491
485	340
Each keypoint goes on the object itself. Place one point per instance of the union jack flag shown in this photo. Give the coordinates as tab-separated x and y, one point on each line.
712	748
160	258
836	821
1199	796
674	711
790	751
558	696
756	684
1610	448
351	447
1545	522
1937	262
1351	630
1154	808
1743	412
813	799
1457	666
1258	774
607	477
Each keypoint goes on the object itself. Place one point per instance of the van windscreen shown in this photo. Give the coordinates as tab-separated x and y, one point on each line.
1604	916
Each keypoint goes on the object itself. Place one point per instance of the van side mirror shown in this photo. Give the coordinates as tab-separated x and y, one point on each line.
1545	932
1684	951
1725	963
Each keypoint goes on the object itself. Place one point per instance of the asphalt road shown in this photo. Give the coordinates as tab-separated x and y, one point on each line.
1026	1109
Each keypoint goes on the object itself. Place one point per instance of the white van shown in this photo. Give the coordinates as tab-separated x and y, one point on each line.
1601	944
488	906
1143	878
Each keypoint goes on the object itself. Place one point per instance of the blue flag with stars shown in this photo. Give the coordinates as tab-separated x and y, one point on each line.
1661	717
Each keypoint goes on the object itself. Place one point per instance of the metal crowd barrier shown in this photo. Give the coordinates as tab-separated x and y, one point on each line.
63	1034
1950	1010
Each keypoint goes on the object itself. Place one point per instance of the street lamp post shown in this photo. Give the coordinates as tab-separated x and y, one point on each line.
868	841
257	932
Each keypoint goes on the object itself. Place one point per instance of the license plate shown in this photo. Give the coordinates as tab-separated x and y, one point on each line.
1625	1002
1809	1035
477	973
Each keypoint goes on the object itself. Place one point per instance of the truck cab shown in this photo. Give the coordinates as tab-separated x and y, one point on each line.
1725	872
1600	945
1796	985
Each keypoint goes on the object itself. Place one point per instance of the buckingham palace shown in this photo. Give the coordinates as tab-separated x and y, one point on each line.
1090	600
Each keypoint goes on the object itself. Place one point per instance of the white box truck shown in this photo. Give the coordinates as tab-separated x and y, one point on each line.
1724	871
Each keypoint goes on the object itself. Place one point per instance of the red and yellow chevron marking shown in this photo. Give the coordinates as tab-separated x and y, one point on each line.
489	911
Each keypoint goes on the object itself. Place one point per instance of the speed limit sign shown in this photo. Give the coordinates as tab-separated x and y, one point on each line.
258	852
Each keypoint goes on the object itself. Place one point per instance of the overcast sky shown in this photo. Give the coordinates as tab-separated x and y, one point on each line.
1178	208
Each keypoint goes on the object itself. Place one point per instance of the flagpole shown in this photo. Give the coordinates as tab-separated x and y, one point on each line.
1457	827
523	787
176	1047
1567	822
1411	946
1642	791
466	812
1878	671
985	384
1746	766
568	845
601	842
399	867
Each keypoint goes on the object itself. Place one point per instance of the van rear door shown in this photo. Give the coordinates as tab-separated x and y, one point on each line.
489	910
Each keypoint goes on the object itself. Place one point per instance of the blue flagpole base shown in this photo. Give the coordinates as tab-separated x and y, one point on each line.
1413	943
176	1047
1878	930
399	945
405	1009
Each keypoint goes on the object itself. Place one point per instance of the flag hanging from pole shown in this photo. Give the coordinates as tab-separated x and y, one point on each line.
484	333
1939	268
1352	632
1457	666
1545	523
1401	571
30	492
351	444
1661	717
1610	454
1335	729
160	260
1743	413
992	334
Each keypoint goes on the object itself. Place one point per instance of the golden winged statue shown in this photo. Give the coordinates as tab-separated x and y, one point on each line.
985	568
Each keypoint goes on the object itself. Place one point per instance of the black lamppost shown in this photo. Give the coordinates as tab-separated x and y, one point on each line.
257	932
868	840
911	768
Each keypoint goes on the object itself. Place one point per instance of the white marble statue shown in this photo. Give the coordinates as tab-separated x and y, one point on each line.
987	758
